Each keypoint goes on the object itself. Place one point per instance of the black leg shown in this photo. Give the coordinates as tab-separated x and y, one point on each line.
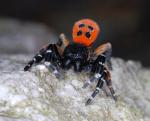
67	62
48	54
109	84
92	79
98	69
53	60
98	87
52	54
37	59
78	66
87	67
107	78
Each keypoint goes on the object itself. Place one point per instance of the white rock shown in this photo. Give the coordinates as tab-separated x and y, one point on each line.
39	96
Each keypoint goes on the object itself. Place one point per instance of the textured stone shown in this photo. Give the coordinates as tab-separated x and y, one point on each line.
39	96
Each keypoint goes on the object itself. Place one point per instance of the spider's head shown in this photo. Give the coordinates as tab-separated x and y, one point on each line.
85	32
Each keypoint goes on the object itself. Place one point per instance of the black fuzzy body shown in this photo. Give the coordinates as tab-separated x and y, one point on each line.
75	55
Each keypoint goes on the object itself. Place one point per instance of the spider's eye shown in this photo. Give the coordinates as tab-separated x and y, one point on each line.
88	35
79	33
81	25
90	27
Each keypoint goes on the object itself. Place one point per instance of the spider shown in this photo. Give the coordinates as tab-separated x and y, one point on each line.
80	56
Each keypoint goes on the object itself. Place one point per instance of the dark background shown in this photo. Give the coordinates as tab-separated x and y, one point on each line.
125	23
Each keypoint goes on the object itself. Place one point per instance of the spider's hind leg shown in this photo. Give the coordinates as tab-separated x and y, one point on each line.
108	80
102	54
106	77
105	49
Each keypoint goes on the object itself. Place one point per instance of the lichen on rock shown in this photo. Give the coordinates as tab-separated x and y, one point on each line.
39	96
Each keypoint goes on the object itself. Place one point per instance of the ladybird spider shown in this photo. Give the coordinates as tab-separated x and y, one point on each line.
79	55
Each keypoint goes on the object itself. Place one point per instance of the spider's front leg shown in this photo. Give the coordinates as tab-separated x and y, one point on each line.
53	59
98	68
48	53
51	55
36	59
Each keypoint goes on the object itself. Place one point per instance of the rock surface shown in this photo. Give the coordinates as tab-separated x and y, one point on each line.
39	96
